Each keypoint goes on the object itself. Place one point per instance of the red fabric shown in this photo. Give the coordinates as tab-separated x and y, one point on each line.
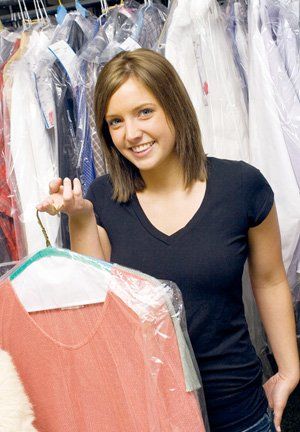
98	368
8	224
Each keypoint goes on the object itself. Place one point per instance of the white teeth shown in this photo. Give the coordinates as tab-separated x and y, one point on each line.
143	147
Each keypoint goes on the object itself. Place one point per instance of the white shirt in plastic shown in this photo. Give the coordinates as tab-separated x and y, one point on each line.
241	39
31	147
288	40
197	45
267	143
286	98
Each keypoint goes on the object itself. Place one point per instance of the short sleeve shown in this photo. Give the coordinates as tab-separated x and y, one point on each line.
258	195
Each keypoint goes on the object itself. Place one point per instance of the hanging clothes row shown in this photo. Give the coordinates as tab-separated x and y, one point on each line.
48	77
240	64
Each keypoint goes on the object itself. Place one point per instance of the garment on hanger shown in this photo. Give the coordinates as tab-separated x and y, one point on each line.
149	24
6	47
12	201
91	66
288	41
65	106
235	16
267	140
274	60
198	47
130	26
106	373
61	65
34	158
287	101
8	239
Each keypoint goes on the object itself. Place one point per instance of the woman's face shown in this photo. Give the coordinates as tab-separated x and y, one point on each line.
138	127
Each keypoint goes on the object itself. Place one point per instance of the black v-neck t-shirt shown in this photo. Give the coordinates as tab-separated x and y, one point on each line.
206	260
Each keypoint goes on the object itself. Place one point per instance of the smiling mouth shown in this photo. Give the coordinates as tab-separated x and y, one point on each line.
143	147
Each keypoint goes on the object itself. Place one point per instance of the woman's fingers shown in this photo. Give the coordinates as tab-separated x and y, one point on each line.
54	185
67	192
77	190
278	412
48	206
63	197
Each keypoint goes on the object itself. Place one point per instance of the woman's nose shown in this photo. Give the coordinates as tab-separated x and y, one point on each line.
133	131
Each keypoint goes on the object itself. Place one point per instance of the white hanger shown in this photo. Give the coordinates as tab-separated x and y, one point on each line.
57	278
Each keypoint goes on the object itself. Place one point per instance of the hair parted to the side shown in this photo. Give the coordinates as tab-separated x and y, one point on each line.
157	75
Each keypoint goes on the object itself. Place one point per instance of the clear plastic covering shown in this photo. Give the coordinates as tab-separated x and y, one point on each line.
6	266
47	92
34	159
110	344
198	46
240	64
126	27
235	17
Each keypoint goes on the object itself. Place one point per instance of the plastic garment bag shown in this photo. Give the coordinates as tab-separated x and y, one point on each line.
6	47
66	108
35	157
286	31
87	67
149	24
110	365
235	15
8	241
198	47
119	21
10	203
287	101
268	133
126	27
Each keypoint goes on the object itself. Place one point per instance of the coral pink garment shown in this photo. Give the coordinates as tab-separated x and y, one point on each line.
98	368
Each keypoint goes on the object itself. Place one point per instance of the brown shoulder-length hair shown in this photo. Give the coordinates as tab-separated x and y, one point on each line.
158	76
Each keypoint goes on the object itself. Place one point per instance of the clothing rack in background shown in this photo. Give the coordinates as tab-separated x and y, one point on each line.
51	10
13	7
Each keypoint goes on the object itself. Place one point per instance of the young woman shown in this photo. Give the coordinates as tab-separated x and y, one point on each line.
168	210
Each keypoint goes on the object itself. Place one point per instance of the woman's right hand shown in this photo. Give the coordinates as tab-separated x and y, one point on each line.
65	198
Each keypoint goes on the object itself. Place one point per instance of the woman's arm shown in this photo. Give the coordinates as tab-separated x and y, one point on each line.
84	236
273	298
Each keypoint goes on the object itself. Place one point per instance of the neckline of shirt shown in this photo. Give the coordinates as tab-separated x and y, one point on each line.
198	215
111	297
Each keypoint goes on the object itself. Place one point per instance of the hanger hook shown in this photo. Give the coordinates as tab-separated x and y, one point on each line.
48	244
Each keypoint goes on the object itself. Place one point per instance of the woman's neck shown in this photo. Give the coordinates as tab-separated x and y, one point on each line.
164	179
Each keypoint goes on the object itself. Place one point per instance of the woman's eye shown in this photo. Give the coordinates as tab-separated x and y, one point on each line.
114	122
146	111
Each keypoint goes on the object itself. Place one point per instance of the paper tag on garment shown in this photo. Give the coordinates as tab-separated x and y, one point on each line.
130	45
44	91
201	71
64	53
45	98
